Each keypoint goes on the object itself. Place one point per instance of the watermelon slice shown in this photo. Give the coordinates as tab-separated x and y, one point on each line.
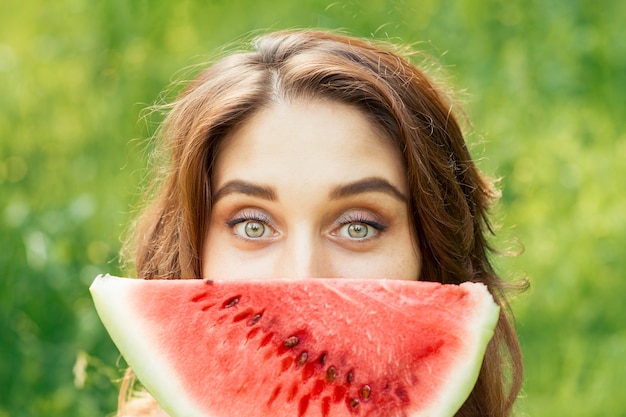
308	347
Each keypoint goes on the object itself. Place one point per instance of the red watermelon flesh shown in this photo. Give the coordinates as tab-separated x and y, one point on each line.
312	347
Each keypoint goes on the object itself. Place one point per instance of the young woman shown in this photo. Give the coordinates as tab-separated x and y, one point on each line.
320	155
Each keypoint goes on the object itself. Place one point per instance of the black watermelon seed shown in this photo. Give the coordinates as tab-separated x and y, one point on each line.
331	374
208	281
350	376
291	342
255	319
231	302
366	391
323	358
302	358
354	403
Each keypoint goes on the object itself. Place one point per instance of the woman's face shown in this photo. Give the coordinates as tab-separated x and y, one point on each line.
309	189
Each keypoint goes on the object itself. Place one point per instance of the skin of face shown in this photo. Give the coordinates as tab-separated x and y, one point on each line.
309	189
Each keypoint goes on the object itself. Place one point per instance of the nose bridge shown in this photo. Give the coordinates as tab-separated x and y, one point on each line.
303	257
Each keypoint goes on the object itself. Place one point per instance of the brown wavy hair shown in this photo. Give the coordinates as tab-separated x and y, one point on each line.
449	196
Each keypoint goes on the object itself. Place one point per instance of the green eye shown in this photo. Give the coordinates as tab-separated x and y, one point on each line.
358	225
254	229
252	224
358	230
251	229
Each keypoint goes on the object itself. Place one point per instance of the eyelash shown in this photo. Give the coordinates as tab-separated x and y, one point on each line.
361	218
250	215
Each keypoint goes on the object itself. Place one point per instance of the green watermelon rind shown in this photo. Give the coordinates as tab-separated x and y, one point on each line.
110	295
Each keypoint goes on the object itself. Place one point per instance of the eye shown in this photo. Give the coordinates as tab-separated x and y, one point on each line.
252	225
251	229
357	231
358	226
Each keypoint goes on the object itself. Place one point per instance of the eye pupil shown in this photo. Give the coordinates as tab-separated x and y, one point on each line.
357	230
254	229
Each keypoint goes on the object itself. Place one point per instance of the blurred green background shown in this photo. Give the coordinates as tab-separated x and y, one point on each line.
544	83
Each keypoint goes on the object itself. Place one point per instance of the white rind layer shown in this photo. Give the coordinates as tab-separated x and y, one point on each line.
481	331
110	295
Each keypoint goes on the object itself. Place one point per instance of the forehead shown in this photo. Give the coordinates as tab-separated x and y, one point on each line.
307	142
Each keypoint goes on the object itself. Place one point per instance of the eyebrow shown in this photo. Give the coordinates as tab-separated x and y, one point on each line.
247	188
367	185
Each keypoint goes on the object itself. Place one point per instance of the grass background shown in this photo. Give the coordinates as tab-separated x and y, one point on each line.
543	82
